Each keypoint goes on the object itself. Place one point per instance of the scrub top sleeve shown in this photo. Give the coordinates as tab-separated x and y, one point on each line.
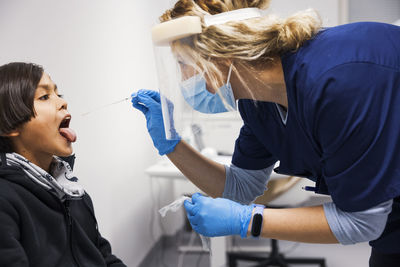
250	153
354	112
244	186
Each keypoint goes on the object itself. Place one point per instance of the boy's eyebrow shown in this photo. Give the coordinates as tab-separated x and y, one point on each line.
48	87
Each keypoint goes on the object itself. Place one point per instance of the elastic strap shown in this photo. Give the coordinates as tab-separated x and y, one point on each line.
233	15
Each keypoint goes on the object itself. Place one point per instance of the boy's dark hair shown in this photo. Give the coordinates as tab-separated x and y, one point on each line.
18	83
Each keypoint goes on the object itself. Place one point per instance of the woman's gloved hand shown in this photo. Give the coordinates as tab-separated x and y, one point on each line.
218	217
149	103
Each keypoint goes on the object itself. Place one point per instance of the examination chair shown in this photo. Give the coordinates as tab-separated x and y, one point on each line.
274	258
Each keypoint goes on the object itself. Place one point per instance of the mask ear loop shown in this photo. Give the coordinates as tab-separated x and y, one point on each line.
227	106
229	73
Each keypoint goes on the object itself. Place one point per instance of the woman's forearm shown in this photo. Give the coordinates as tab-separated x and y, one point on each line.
306	224
206	174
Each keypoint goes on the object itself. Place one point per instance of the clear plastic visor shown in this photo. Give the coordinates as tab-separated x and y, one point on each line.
186	90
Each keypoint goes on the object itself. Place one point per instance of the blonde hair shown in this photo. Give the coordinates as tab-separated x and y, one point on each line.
256	40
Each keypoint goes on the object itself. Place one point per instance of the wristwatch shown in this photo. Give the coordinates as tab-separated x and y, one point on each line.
256	225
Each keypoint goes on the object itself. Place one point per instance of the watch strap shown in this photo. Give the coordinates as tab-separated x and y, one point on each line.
257	221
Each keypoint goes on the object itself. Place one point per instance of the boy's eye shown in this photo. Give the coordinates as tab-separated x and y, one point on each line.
61	96
45	97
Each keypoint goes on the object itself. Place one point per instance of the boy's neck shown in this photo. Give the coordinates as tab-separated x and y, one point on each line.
42	161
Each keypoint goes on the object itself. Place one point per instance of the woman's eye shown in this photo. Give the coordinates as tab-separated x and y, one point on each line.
61	96
45	97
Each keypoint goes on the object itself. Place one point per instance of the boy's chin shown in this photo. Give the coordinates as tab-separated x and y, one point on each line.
65	153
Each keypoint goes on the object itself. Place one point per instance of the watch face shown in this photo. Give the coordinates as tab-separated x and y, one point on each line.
256	226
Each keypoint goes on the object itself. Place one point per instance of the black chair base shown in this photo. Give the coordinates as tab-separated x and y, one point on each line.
274	258
280	261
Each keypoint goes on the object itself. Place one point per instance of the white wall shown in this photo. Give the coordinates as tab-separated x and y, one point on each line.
97	52
371	10
329	10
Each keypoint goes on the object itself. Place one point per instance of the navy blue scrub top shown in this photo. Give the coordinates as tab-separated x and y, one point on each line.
343	123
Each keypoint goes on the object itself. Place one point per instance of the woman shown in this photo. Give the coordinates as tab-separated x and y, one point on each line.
324	102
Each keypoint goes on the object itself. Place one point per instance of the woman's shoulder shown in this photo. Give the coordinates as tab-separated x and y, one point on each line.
360	28
376	32
334	52
372	42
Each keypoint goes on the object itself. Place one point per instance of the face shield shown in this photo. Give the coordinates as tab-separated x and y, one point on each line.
190	84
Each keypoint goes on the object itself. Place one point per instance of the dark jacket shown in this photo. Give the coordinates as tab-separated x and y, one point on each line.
37	229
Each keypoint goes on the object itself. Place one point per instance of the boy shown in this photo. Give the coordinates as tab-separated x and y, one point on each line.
46	217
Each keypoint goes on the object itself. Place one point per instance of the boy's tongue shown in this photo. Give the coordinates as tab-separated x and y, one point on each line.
69	134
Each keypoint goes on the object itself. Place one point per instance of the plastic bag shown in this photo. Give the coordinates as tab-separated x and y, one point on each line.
174	206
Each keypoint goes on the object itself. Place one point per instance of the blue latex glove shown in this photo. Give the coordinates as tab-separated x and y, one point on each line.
149	103
218	216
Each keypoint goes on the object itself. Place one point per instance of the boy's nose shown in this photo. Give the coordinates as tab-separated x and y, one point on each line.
63	104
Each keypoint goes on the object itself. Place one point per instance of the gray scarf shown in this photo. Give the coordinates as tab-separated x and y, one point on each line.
60	182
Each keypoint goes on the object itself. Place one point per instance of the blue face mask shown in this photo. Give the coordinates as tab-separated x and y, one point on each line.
194	91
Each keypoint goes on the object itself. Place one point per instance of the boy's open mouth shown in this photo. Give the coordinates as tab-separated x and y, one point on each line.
65	131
